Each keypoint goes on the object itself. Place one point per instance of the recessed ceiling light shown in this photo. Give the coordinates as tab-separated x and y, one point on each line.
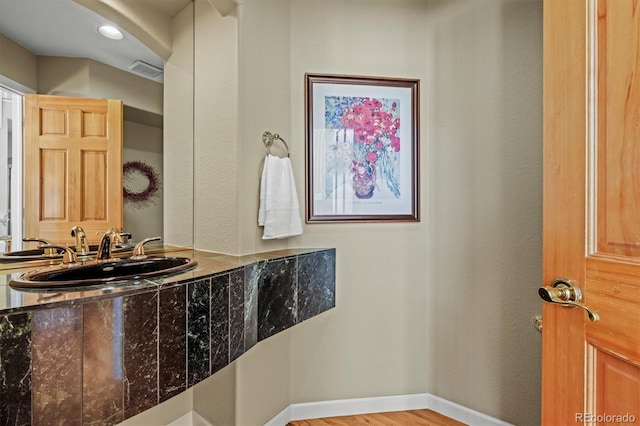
110	31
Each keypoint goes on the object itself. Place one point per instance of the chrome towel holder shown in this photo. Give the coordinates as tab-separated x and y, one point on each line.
269	139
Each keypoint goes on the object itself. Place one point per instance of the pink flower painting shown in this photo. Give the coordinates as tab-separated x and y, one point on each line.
372	126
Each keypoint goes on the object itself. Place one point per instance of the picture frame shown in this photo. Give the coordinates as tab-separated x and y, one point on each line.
362	148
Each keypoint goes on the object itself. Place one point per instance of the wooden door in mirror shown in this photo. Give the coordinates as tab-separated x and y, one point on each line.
72	166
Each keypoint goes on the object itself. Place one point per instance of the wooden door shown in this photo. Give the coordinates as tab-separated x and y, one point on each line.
591	214
72	166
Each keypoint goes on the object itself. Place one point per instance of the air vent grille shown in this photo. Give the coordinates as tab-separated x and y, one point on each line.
145	69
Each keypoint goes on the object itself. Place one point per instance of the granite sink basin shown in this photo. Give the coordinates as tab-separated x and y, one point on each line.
94	273
33	254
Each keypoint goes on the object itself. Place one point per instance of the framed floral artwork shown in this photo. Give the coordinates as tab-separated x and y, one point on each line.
362	162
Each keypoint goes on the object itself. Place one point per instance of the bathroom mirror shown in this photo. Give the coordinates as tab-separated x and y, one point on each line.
144	136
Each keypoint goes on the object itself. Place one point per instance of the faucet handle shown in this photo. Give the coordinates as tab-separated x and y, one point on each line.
41	243
36	240
138	251
125	236
69	256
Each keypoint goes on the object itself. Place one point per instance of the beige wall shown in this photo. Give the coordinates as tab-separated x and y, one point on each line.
442	306
178	133
77	77
374	342
164	413
264	93
87	78
265	104
60	76
484	206
22	65
143	143
216	151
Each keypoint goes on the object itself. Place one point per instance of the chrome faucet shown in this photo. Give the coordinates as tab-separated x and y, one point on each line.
82	248
108	241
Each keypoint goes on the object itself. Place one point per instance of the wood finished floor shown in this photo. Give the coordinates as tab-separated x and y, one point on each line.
396	418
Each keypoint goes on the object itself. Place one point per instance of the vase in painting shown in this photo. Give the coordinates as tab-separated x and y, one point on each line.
364	179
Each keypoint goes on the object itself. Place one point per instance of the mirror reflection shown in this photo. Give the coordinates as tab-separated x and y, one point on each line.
125	70
10	170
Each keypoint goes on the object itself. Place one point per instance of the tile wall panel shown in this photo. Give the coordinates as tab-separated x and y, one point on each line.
140	352
198	331
15	368
102	363
277	289
172	358
57	366
236	314
219	322
252	274
316	283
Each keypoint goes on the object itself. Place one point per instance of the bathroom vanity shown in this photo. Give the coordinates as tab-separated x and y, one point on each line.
101	355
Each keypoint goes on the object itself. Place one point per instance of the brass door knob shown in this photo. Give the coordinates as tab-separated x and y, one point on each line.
566	292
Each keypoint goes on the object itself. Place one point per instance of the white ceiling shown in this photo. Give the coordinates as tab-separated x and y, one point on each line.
65	28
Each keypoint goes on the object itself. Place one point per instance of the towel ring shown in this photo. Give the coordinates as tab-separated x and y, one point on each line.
269	138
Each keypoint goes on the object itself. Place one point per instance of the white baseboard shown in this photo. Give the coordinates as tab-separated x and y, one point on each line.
347	407
282	418
190	419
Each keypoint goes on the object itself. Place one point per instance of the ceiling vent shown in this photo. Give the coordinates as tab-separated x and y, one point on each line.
145	69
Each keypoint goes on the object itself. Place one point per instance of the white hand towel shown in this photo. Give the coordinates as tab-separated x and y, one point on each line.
263	192
279	210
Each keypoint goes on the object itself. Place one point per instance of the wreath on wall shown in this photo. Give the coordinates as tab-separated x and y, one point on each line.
134	170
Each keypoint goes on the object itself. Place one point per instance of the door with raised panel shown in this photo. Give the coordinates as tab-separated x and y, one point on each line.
591	214
72	166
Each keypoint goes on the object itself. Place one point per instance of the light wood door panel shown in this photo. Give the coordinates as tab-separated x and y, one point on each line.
73	166
94	186
591	213
618	181
563	195
53	184
613	287
618	392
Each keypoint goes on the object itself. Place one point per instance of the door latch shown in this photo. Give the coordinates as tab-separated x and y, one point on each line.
566	292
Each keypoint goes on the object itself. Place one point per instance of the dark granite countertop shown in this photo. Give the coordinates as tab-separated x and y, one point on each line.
209	263
102	355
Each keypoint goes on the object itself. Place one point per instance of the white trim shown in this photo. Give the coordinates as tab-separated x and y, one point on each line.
346	407
190	419
461	413
17	184
14	85
182	421
282	418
